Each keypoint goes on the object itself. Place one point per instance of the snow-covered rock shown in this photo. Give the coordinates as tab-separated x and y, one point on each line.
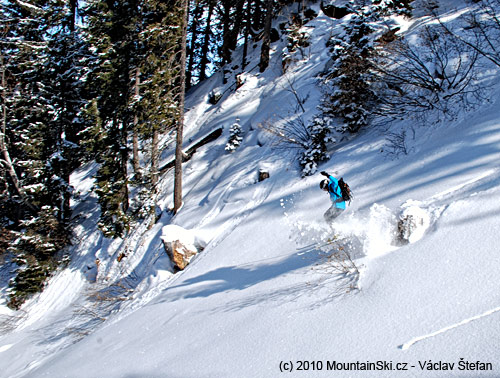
413	222
181	245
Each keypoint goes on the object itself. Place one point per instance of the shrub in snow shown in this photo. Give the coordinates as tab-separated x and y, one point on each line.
298	39
144	204
234	137
432	75
396	143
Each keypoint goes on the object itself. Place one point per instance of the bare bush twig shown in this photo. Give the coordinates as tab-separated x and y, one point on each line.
291	133
435	73
482	29
396	143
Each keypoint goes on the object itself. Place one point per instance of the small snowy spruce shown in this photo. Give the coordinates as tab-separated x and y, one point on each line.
234	136
316	152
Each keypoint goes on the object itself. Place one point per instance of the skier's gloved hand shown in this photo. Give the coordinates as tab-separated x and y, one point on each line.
325	174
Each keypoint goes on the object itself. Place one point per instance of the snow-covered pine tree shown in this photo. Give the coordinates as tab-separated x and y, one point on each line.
65	74
159	106
401	7
235	138
349	96
113	33
24	105
320	132
40	105
35	249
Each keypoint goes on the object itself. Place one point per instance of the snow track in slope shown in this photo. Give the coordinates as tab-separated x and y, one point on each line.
415	340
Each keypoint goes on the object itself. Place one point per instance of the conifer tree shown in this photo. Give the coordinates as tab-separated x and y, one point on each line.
348	94
162	94
113	34
351	96
41	83
180	120
235	138
41	101
266	40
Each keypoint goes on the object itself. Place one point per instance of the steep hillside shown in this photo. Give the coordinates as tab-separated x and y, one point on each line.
273	290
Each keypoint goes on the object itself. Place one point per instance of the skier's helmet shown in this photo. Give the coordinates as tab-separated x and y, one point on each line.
323	184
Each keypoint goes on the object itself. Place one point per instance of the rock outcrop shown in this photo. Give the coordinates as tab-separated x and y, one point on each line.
181	245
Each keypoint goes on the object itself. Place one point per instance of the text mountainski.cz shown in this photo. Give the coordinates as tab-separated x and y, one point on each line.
427	365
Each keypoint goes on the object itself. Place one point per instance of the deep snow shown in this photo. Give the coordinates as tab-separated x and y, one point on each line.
263	292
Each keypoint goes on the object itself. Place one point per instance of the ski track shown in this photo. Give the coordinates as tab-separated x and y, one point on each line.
3	348
216	209
259	196
417	339
460	189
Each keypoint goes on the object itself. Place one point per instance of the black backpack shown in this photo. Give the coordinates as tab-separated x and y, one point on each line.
345	190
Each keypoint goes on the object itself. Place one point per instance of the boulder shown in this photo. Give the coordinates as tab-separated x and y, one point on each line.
334	12
413	222
214	97
181	245
179	254
263	175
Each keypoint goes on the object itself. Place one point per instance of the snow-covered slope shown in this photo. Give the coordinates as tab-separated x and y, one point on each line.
265	295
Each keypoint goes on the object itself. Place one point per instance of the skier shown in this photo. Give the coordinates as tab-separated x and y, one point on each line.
331	185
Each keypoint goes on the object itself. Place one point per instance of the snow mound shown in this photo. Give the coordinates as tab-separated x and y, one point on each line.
188	238
364	234
413	222
375	229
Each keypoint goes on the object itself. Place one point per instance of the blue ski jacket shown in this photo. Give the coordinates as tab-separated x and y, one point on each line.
335	193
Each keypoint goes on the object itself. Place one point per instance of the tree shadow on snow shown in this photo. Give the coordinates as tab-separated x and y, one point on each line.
316	274
239	277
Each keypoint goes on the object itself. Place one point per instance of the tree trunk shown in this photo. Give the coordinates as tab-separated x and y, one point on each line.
194	36
66	205
248	25
226	35
180	124
6	161
257	15
237	26
123	165
155	166
155	161
206	42
135	133
266	41
73	9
